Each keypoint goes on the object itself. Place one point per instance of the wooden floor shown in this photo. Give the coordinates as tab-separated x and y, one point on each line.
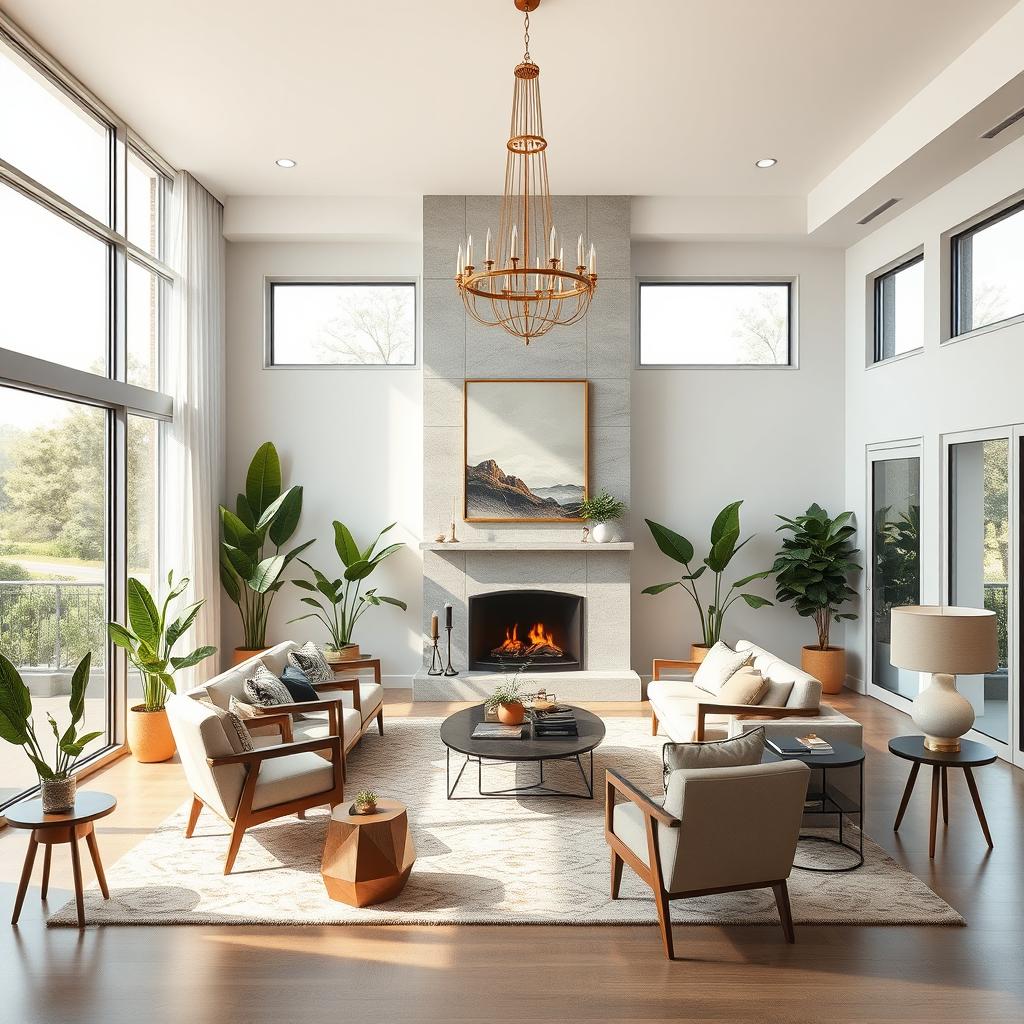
148	975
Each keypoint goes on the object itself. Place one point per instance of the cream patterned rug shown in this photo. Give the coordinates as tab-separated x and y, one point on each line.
540	861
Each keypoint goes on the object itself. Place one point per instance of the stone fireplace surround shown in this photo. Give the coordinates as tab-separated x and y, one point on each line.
493	557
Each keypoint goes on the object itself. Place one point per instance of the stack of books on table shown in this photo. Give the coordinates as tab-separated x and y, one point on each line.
555	723
496	731
799	745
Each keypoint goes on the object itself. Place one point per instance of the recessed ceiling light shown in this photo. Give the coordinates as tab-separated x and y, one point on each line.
285	162
767	161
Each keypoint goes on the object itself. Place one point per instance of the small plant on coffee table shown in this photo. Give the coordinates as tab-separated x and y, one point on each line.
366	801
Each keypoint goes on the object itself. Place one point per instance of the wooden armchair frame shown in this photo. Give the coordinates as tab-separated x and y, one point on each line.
652	873
245	817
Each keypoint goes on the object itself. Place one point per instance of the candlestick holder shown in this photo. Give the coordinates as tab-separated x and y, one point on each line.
452	539
436	661
449	671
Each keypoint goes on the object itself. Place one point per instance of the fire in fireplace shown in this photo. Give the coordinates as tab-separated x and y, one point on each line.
510	627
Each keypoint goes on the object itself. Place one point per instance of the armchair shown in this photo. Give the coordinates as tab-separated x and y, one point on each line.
247	788
717	830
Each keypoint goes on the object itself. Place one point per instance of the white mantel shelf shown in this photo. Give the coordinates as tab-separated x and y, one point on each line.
591	547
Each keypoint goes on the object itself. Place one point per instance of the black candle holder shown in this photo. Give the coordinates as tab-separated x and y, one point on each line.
449	671
436	661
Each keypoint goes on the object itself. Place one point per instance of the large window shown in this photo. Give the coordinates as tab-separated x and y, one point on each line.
341	323
899	309
82	301
988	271
716	323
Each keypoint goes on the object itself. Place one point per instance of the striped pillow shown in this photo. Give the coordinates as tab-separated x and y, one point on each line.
310	660
265	689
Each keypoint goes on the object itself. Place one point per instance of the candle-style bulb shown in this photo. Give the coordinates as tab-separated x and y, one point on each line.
514	243
579	252
593	259
487	247
469	251
458	261
561	259
551	243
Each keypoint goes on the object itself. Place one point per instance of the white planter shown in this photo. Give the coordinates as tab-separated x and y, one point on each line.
605	533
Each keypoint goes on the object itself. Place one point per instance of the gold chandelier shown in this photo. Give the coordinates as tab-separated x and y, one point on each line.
524	285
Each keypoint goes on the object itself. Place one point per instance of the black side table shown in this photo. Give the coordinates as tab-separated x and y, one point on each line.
970	755
831	801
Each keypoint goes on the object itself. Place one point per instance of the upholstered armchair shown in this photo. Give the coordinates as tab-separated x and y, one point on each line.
717	830
249	787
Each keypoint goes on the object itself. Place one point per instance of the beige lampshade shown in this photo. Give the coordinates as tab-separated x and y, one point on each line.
939	638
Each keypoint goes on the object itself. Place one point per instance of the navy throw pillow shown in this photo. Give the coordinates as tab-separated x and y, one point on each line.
298	684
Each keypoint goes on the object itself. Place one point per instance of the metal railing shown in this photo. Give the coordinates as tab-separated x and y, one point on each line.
47	625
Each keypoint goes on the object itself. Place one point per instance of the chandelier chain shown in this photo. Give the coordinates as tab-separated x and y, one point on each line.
526	38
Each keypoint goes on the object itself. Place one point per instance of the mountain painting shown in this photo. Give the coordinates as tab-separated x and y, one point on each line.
526	450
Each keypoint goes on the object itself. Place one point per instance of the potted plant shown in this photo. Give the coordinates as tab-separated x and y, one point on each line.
56	781
811	571
148	640
366	801
725	542
508	702
251	561
602	510
340	605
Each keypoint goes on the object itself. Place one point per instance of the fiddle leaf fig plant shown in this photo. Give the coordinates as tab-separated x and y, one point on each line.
724	544
339	604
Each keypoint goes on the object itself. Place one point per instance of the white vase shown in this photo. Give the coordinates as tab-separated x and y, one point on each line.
604	533
942	713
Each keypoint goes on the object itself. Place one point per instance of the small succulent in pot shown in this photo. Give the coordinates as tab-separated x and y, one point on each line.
366	801
602	510
508	700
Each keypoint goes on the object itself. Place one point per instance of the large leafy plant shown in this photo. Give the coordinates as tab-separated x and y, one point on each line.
251	560
813	566
17	725
148	639
725	543
340	604
897	551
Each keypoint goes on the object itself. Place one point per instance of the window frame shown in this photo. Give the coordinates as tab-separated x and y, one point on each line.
270	282
791	284
874	299
1009	207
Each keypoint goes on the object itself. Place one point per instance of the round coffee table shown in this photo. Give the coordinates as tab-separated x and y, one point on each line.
457	735
50	830
970	755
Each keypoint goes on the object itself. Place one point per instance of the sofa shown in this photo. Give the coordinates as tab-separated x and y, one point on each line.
349	709
790	706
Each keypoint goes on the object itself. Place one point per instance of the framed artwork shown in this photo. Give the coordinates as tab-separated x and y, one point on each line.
525	450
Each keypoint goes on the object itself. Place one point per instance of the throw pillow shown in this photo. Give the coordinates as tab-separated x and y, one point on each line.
718	666
747	748
310	660
235	730
265	689
298	684
240	708
747	686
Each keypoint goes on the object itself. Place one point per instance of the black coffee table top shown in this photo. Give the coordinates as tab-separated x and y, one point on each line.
89	805
457	732
970	755
843	755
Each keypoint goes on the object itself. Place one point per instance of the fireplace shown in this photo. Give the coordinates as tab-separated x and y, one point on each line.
511	627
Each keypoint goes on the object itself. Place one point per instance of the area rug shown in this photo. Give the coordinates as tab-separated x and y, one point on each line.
510	861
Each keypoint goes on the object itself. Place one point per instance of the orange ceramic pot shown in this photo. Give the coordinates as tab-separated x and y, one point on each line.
149	735
511	714
698	652
245	653
828	665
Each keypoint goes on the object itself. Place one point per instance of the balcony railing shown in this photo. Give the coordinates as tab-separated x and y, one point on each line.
47	625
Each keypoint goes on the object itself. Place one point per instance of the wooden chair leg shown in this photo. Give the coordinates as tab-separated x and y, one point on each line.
26	874
945	796
915	768
976	797
380	720
193	816
237	832
76	868
781	891
94	852
301	815
654	724
664	921
46	871
617	863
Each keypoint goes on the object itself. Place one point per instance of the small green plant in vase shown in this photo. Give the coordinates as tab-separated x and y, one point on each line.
366	801
507	700
603	511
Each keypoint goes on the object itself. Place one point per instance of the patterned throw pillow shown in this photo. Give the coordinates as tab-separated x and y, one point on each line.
244	711
235	730
310	660
265	689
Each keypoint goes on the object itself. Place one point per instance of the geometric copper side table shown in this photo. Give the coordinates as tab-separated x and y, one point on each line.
367	857
970	755
51	830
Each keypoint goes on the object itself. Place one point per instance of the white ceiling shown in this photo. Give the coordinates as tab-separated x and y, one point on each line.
410	97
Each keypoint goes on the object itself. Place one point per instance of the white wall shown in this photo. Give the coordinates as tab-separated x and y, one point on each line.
351	437
968	384
703	438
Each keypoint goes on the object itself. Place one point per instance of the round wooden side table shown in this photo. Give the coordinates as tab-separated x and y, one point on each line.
367	857
50	830
970	755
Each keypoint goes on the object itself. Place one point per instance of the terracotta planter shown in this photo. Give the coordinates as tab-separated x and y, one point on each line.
828	665
241	654
350	652
366	808
511	714
149	735
698	652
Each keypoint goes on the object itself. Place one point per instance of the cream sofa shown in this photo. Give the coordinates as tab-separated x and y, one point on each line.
791	706
348	709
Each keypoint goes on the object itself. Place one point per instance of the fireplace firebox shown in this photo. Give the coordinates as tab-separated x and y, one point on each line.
510	627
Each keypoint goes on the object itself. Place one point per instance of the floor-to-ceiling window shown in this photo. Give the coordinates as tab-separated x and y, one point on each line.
83	291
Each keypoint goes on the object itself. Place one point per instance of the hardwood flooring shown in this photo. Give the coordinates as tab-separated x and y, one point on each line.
540	974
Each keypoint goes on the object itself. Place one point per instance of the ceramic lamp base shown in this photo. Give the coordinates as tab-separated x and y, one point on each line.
942	713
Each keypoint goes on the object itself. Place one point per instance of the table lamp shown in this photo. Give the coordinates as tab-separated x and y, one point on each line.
946	641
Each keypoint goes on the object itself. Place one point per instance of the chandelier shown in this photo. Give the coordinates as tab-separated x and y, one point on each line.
524	284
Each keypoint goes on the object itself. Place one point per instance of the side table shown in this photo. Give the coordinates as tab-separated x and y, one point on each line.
970	755
50	830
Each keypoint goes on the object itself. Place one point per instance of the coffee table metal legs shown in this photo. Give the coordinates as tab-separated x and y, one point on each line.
534	789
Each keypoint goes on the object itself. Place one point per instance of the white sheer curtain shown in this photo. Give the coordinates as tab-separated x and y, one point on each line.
195	448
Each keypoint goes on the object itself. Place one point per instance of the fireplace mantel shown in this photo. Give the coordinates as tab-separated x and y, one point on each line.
590	548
